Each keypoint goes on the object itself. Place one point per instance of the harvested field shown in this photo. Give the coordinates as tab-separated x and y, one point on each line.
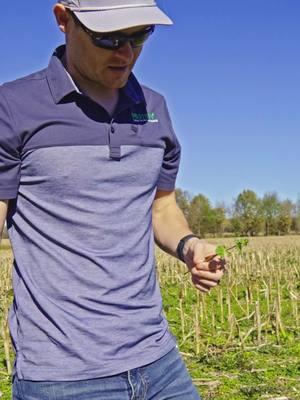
241	341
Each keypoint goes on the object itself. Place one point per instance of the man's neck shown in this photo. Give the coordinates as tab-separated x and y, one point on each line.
105	97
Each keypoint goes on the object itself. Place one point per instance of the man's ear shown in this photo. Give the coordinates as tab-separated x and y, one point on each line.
62	17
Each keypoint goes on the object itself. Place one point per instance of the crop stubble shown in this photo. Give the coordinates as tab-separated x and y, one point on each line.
231	338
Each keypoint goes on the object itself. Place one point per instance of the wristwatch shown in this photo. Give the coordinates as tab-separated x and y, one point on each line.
181	244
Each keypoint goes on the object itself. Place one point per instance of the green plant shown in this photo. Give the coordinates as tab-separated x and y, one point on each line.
223	251
239	245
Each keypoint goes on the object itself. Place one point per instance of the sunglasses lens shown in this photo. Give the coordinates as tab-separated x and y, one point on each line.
140	40
118	41
110	43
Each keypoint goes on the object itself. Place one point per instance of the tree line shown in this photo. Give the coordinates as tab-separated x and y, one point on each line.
249	215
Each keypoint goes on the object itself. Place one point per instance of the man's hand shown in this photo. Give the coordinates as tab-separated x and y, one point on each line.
205	275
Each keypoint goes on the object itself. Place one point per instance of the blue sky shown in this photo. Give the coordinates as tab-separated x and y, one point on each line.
230	71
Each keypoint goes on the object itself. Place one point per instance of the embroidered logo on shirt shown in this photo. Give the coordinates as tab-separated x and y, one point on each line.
148	117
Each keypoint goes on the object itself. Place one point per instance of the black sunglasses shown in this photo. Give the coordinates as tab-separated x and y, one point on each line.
115	40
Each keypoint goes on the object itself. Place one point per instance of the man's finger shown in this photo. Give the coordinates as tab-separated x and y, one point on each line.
211	276
202	288
207	283
209	258
214	265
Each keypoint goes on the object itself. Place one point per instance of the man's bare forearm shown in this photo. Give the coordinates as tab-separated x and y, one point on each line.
170	225
3	213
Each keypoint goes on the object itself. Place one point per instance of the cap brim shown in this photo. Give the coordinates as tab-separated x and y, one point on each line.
118	19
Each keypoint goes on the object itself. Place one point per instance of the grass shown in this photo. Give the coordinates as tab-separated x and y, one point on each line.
225	371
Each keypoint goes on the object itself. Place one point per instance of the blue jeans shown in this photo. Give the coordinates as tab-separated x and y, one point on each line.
164	379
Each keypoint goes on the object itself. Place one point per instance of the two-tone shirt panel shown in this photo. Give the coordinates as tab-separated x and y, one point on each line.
87	302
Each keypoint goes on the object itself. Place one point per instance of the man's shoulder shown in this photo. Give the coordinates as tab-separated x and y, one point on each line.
23	84
152	96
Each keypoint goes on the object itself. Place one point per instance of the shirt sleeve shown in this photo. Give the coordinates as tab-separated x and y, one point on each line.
171	161
10	162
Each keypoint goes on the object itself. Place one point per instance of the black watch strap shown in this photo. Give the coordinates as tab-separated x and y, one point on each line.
181	244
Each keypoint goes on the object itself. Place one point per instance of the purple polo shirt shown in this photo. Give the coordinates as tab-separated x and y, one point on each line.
87	302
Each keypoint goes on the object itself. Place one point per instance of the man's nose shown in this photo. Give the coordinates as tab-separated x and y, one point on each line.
126	52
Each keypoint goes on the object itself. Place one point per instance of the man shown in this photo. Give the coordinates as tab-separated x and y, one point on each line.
88	163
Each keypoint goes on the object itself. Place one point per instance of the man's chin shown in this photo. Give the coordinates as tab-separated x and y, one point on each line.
118	84
120	80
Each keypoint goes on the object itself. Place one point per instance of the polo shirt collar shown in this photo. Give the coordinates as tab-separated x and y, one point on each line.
61	84
133	90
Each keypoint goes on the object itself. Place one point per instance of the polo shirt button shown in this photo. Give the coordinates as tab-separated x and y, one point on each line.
112	129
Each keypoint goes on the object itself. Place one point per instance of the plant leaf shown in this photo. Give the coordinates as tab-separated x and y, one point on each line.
241	243
221	251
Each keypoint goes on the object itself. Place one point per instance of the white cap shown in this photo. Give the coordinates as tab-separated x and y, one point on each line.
115	15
